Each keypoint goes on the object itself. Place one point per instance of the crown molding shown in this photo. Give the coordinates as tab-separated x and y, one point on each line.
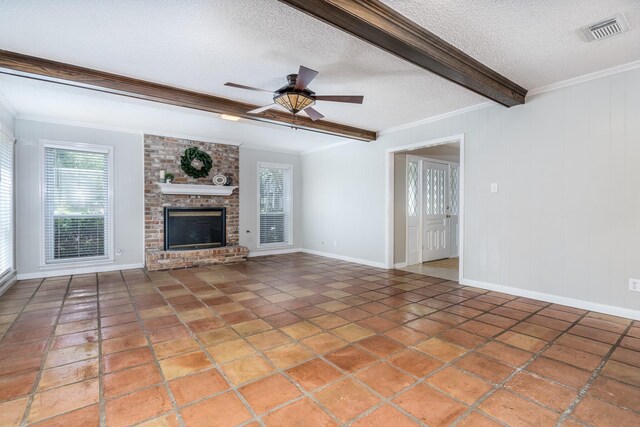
326	147
436	118
585	78
273	150
542	89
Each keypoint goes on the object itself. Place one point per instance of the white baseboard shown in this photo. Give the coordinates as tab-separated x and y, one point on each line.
83	270
400	265
556	299
258	252
346	258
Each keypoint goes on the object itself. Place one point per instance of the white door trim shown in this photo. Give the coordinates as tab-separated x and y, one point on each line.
389	193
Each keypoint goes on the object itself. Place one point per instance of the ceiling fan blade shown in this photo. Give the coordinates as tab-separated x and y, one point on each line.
341	98
305	75
246	87
313	114
261	109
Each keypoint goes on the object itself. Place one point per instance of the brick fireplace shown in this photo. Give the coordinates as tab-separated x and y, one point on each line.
163	153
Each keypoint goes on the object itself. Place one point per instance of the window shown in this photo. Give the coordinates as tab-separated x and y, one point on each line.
412	188
6	204
454	197
274	202
77	204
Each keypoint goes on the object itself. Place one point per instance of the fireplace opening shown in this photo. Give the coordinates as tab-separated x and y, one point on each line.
194	228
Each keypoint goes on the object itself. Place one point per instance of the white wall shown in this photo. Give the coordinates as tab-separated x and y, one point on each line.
127	186
249	159
566	219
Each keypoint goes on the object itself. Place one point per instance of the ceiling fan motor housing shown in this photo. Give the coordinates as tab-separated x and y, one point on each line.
292	99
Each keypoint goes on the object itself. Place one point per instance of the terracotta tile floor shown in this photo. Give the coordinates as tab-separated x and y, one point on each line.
303	340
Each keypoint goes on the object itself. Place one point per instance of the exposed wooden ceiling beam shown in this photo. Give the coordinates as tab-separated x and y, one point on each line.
73	75
387	29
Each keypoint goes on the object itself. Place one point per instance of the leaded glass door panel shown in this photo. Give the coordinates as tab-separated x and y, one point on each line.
435	206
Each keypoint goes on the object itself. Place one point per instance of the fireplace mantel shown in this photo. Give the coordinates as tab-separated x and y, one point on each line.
196	189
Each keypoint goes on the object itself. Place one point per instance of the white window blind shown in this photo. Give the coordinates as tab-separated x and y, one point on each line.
77	222
274	183
6	204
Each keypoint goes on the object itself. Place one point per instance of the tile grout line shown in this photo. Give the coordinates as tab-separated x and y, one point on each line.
447	364
419	380
45	353
346	374
203	349
156	362
535	356
102	403
352	375
585	388
282	371
524	300
491	338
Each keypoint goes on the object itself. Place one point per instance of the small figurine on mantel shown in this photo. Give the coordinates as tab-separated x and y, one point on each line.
165	177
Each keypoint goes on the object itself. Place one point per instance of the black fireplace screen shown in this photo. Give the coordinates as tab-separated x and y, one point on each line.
194	228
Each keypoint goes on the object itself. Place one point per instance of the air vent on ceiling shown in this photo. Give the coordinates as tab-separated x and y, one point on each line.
607	28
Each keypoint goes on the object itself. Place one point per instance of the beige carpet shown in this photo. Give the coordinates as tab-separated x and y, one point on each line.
450	263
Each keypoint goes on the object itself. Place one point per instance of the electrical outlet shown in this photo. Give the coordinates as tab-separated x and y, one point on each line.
118	252
494	187
634	285
335	243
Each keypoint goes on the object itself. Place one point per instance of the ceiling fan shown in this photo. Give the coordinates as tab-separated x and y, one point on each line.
295	96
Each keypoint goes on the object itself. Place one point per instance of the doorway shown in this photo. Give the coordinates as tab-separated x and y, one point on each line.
427	216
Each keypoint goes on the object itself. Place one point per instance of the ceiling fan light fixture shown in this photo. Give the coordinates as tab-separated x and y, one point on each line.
294	101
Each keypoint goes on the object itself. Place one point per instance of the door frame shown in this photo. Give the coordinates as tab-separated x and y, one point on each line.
389	194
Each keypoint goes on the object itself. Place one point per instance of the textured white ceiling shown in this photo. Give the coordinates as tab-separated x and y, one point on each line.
532	42
200	44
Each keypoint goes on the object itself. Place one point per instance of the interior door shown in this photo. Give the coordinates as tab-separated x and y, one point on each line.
436	242
454	208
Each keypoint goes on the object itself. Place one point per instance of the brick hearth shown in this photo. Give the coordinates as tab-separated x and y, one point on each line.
170	260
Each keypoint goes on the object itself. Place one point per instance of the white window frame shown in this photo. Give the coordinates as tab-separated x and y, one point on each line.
83	261
289	169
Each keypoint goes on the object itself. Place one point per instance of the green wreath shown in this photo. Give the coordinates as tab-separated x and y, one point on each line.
186	162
